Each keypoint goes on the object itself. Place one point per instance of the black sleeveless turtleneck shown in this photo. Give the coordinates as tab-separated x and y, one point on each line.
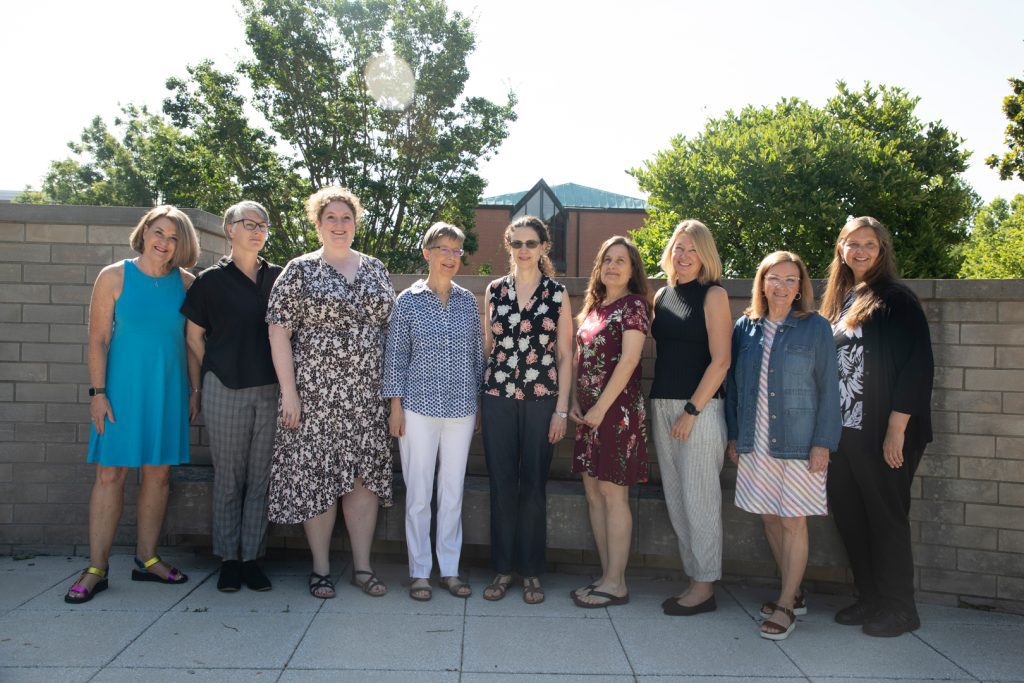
681	335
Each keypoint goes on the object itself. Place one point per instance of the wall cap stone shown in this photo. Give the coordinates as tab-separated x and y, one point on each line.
70	214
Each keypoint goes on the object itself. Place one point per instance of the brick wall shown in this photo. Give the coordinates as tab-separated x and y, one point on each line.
968	512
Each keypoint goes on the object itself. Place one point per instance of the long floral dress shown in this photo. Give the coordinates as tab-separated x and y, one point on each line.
617	450
338	333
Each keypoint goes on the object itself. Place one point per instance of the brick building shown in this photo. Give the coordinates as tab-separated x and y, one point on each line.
580	217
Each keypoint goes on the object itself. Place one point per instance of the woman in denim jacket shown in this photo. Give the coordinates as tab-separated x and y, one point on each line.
782	414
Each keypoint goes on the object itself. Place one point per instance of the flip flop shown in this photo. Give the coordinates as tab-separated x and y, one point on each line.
610	600
577	592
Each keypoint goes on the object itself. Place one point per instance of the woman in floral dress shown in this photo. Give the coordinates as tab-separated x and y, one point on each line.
328	318
608	407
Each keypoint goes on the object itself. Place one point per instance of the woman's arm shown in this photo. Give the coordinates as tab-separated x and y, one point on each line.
915	369
105	292
632	349
717	318
195	340
284	366
564	359
397	356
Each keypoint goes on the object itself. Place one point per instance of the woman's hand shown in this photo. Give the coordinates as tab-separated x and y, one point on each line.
682	426
575	414
817	461
892	446
396	420
595	416
730	452
291	410
195	405
99	408
556	430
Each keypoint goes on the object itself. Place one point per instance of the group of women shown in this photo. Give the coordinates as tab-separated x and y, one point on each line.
303	373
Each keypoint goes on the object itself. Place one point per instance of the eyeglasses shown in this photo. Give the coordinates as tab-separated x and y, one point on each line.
787	282
252	226
519	244
446	252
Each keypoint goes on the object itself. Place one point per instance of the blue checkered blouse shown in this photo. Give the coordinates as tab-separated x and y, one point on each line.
434	358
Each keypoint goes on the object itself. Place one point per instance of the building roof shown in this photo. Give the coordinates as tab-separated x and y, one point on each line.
573	196
8	195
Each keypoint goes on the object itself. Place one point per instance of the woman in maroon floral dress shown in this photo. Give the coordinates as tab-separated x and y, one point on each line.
608	407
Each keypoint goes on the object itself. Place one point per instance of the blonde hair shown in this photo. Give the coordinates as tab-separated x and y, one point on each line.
841	280
186	253
704	241
803	305
596	291
319	200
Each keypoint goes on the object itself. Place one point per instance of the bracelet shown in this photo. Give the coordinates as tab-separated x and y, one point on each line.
197	391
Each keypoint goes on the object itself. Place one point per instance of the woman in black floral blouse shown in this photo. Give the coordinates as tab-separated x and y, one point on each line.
528	339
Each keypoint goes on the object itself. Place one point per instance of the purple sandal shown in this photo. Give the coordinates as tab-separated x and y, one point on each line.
78	593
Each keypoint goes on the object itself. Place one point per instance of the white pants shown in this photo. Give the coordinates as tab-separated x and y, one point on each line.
426	440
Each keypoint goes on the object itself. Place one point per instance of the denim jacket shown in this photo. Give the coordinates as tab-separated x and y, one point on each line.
803	387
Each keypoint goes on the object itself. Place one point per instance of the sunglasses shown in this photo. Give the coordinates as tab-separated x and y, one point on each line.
519	244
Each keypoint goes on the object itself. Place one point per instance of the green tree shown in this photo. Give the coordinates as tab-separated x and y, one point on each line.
788	176
410	166
1012	161
995	248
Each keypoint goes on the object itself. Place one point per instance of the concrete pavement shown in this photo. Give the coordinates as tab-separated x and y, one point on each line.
193	632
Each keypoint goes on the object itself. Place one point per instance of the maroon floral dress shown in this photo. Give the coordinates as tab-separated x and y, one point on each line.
617	450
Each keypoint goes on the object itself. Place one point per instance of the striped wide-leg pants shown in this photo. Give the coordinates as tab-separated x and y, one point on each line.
689	477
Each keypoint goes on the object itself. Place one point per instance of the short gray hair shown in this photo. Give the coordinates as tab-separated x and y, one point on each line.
235	213
440	230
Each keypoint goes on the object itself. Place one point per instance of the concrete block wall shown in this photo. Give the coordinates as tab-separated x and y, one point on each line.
967	514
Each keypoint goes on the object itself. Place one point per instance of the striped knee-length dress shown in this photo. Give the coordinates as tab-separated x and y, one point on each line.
775	486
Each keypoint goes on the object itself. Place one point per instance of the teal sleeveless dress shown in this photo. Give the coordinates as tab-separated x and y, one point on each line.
147	377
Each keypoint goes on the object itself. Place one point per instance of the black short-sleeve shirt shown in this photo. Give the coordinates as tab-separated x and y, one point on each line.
231	308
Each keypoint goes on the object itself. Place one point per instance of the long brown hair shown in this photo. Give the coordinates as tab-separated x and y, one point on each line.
841	280
543	234
803	305
596	291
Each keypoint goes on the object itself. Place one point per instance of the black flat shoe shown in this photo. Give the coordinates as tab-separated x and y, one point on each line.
230	578
255	579
890	624
856	614
674	609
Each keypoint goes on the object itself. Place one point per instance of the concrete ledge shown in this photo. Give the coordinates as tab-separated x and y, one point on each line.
189	513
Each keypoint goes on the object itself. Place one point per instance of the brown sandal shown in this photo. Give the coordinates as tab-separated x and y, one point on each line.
456	586
533	592
799	607
779	632
498	588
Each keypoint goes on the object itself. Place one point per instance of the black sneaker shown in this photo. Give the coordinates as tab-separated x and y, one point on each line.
856	614
254	577
230	579
889	624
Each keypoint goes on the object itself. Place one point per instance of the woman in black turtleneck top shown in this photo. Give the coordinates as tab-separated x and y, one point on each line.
692	328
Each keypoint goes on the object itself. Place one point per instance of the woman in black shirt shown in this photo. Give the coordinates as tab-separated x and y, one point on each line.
226	331
886	370
692	329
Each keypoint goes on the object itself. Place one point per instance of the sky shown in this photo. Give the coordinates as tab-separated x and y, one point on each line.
602	86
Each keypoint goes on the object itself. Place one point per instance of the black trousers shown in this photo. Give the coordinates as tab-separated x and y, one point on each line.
870	503
518	455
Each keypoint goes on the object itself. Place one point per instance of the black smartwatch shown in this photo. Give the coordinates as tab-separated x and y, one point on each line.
94	391
691	409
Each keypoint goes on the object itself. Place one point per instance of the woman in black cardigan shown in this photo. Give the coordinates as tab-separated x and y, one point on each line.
885	386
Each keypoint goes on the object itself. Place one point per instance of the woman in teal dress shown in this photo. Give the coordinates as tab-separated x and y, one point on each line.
140	403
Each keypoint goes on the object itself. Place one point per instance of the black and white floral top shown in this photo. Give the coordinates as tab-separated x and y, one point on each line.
850	355
523	363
